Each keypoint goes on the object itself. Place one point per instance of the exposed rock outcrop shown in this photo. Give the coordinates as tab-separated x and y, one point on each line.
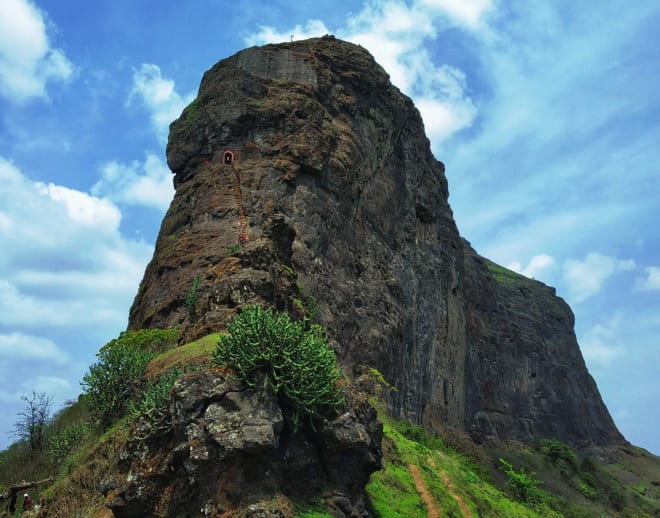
229	449
306	155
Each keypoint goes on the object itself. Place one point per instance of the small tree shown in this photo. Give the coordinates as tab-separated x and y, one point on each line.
522	484
110	384
33	420
297	359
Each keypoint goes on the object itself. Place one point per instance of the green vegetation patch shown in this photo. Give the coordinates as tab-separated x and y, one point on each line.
393	492
152	409
300	365
504	275
190	302
110	384
198	352
191	112
232	250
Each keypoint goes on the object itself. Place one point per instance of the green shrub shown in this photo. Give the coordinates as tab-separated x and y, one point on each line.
191	112
152	408
111	383
586	489
560	455
232	250
522	485
62	443
418	434
190	303
299	364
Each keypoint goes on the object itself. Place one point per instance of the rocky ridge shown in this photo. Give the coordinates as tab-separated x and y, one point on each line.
304	181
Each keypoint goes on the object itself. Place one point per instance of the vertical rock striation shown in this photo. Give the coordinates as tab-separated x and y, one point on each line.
306	156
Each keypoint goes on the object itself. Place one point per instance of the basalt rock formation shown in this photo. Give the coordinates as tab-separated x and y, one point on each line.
304	181
229	449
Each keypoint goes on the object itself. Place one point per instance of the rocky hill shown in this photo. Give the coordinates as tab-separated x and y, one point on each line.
304	181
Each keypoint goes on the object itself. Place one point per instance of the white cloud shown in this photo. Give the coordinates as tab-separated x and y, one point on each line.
82	208
447	110
52	385
585	278
148	183
63	261
396	34
65	271
312	29
600	345
27	60
27	348
537	264
652	280
157	93
467	12
32	363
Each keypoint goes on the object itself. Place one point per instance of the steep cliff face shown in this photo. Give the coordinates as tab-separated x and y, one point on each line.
304	180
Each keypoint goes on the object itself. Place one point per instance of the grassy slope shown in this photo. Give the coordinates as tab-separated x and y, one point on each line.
459	487
394	494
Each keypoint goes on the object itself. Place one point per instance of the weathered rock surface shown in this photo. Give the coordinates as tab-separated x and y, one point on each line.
345	212
527	376
229	450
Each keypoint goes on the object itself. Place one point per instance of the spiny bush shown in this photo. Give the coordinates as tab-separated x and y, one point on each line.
152	408
295	356
110	384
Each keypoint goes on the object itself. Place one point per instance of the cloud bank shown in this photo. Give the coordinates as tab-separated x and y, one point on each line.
147	183
65	270
28	61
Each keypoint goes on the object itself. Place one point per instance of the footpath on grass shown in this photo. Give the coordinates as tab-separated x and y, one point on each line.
432	509
465	510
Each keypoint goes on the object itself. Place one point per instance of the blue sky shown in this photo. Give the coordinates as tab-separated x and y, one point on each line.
546	114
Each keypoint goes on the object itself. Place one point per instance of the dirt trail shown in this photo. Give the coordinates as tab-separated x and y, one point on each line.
465	510
432	509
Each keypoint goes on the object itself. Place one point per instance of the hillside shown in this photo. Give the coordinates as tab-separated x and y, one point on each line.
422	474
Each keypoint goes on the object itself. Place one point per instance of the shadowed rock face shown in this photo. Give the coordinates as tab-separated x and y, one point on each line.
527	377
332	182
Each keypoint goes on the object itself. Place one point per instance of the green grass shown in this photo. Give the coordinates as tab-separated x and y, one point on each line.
392	490
191	112
288	269
193	353
393	493
232	250
504	275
